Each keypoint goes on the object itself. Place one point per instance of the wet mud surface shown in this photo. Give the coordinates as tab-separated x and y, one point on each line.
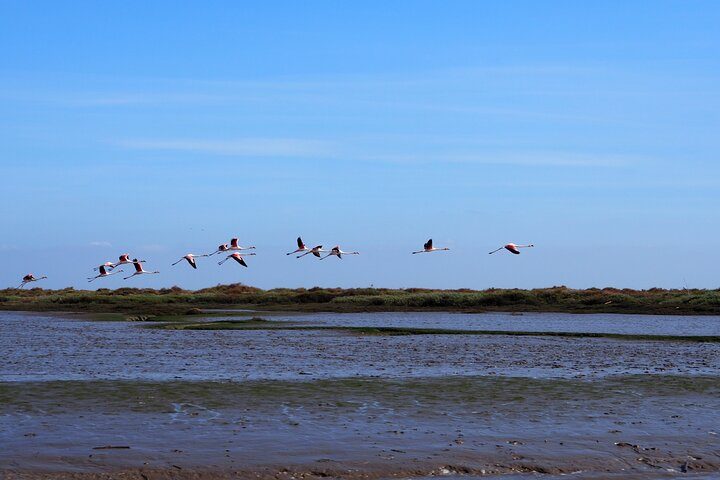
114	400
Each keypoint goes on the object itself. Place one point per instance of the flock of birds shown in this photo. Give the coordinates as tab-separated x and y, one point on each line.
108	268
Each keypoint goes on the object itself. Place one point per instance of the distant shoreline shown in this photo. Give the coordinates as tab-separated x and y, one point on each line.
176	301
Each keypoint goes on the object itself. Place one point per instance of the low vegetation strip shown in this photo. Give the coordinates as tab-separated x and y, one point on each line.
123	396
173	301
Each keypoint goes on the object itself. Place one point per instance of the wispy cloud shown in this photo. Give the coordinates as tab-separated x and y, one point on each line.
139	98
540	159
256	147
349	150
122	98
518	79
100	243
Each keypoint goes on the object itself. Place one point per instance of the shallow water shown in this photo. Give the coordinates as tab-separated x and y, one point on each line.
282	403
43	347
535	322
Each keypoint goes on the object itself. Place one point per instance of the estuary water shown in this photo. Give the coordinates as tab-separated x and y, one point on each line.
47	347
85	399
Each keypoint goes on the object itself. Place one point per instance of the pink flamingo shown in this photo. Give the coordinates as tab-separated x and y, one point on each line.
30	278
234	245
338	253
124	259
190	258
223	247
107	265
238	257
315	251
301	247
139	269
103	272
428	247
512	248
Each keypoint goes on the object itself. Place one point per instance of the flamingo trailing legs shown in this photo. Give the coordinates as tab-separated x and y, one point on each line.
428	247
338	253
139	269
512	248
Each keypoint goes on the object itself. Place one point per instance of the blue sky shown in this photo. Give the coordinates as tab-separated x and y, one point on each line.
164	128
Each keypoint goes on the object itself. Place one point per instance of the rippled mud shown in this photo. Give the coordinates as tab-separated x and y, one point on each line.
365	427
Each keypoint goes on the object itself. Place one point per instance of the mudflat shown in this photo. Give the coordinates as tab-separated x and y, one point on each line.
81	399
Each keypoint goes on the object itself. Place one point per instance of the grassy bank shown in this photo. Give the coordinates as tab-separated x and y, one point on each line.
173	301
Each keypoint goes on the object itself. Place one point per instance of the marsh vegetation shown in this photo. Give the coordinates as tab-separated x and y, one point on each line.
175	300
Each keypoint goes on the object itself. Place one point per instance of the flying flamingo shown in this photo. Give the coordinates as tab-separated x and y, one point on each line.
234	245
190	257
124	259
107	265
315	251
338	253
512	248
221	248
238	257
139	269
30	278
103	272
301	247
428	247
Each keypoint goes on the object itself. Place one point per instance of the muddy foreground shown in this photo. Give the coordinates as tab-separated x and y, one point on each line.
634	426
